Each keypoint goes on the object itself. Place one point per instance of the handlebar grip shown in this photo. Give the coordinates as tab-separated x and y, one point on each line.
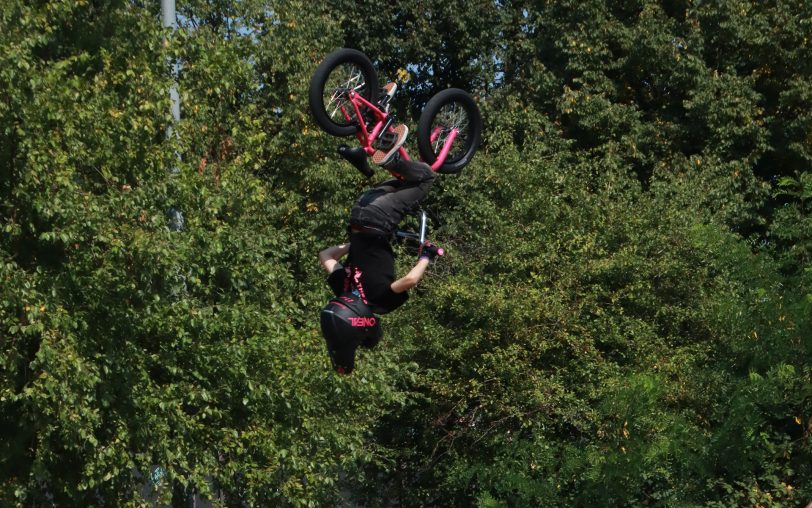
440	252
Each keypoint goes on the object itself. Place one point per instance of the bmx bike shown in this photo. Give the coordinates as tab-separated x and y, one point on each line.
345	99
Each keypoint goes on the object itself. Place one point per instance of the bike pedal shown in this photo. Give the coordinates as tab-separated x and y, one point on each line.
386	138
387	93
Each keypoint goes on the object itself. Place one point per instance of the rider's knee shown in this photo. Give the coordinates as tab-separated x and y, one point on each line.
429	175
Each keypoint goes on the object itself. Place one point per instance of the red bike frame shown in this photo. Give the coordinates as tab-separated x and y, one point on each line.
367	137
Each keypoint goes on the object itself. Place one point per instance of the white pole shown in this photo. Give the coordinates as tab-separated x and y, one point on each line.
169	20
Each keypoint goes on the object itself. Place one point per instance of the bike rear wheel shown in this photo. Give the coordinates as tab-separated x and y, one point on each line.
449	110
342	71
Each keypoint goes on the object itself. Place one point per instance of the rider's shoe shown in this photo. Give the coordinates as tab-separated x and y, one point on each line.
389	145
358	157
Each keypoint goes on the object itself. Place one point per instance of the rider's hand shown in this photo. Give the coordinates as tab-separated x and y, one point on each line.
429	251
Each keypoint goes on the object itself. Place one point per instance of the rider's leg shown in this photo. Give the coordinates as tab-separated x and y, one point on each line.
411	171
384	206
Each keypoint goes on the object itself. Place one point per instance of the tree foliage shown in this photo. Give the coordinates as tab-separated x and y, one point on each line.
623	316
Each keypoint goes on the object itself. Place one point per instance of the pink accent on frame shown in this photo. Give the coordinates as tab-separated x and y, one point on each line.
446	148
434	133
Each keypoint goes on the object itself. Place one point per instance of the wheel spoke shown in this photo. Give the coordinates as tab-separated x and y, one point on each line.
341	81
451	116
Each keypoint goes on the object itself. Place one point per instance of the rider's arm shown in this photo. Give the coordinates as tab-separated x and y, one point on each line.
329	257
411	279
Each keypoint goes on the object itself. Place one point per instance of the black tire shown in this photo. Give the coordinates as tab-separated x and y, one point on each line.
452	108
333	77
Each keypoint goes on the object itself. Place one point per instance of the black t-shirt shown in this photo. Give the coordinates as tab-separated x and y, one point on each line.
370	271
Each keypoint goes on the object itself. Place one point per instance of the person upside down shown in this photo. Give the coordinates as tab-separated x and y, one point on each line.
366	285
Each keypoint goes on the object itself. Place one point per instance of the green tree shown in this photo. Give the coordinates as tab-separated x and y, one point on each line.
622	317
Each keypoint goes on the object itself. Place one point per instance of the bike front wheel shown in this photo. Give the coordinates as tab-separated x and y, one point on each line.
449	111
343	71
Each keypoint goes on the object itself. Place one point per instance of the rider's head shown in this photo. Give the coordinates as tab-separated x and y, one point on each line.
347	322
